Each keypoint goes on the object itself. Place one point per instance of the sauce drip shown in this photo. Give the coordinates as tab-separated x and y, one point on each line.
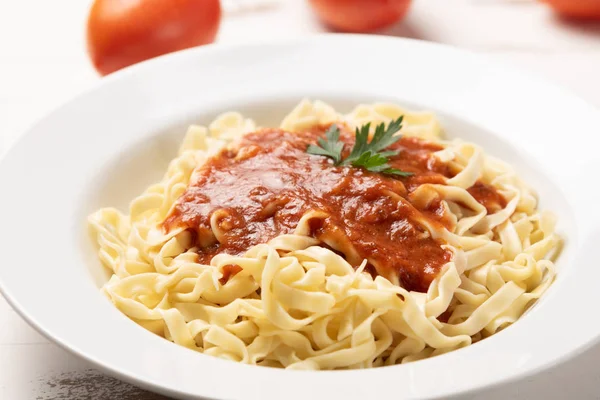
260	188
487	196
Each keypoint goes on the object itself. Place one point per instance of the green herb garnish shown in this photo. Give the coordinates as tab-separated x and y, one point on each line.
330	147
368	155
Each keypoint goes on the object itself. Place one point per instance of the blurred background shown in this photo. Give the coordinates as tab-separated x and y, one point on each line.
44	61
52	50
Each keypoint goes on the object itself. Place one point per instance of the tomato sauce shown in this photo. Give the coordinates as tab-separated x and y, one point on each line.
229	271
487	196
260	187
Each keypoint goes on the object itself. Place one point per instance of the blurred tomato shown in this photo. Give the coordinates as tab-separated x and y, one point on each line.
360	15
125	32
576	8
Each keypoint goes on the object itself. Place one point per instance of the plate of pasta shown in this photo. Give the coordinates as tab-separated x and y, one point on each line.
262	222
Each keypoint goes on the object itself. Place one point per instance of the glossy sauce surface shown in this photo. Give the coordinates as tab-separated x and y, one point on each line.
262	186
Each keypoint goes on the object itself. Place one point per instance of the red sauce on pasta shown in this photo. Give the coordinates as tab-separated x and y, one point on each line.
262	186
229	271
488	196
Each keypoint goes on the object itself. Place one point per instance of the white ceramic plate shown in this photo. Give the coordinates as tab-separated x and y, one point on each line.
105	146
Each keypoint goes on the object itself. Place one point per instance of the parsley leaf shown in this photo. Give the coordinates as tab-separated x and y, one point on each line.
332	147
364	154
378	163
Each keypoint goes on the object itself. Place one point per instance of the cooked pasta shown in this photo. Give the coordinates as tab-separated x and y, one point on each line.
252	250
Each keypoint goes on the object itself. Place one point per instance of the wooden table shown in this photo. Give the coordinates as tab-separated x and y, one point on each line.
43	63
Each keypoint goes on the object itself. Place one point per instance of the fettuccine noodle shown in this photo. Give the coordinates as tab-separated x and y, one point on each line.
292	302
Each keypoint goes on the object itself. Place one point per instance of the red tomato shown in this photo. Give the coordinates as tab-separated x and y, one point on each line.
125	32
576	8
360	15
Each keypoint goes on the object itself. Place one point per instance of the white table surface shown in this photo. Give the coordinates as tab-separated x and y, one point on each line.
43	63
